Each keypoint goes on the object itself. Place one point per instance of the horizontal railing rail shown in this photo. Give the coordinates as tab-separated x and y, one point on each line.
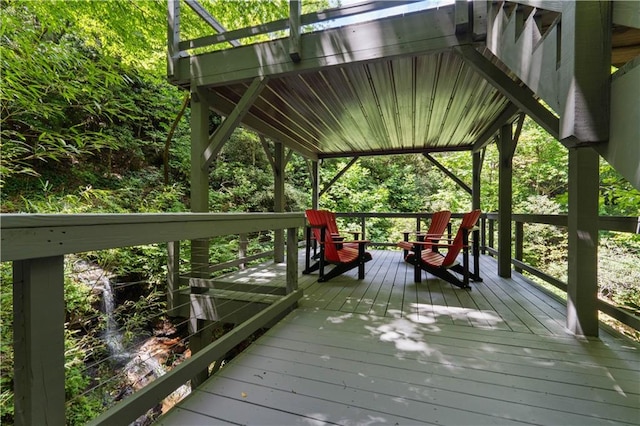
626	224
37	244
282	25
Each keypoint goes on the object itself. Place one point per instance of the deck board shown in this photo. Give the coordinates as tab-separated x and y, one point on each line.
385	350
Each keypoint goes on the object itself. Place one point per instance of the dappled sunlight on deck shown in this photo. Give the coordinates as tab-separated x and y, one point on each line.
384	350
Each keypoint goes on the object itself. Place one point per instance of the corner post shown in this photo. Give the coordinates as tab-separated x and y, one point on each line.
582	290
279	201
38	341
506	146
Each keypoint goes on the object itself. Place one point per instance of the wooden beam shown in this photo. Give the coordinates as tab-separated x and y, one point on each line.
210	20
38	341
582	285
399	36
416	150
225	107
509	111
338	175
288	156
521	96
448	172
32	236
585	72
267	151
222	133
295	10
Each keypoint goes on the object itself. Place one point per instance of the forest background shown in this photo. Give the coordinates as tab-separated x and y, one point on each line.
85	117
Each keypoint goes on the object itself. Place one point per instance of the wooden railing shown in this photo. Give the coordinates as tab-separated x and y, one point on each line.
606	223
37	244
488	231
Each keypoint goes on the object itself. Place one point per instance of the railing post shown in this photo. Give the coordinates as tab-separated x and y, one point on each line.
173	36
173	275
491	233
242	249
519	243
292	260
38	341
483	236
363	226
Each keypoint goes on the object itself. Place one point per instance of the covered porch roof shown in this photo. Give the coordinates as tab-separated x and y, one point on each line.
434	79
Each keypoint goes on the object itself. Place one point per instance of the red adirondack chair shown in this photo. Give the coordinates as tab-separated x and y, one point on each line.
439	264
439	222
344	256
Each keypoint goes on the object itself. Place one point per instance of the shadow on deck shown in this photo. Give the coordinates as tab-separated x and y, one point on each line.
384	350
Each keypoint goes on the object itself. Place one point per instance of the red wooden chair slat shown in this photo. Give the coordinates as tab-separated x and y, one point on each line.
438	264
438	225
344	256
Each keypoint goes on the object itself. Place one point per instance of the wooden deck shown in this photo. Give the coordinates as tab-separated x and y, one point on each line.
387	351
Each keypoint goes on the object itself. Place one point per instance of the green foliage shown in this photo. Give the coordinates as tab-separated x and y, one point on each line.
6	344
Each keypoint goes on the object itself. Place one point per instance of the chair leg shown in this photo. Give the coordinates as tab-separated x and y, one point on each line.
417	270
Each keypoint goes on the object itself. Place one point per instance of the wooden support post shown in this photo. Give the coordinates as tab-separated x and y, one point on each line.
582	290
477	158
242	248
279	200
199	179
295	47
519	243
173	275
292	260
315	185
506	147
363	228
38	341
200	333
492	233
